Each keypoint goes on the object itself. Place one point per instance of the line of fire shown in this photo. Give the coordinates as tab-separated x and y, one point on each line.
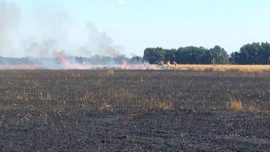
62	62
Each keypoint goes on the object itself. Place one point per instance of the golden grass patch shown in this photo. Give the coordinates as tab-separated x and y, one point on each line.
48	97
236	105
240	68
163	106
110	72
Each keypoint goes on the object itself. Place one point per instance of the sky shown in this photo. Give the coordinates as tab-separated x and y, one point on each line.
113	27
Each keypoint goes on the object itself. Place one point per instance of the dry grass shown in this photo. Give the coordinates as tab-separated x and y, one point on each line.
106	107
8	107
253	108
48	97
123	95
238	106
241	68
110	72
163	106
122	100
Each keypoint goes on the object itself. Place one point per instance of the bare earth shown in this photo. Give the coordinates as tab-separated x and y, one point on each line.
134	111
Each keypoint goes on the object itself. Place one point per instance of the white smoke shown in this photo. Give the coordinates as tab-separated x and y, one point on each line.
9	20
50	34
100	41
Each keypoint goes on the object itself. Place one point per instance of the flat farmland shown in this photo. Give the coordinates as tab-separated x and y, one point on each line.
122	110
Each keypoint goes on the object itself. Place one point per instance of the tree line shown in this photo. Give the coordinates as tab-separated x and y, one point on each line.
254	53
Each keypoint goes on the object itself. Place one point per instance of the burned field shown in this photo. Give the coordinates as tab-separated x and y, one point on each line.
134	111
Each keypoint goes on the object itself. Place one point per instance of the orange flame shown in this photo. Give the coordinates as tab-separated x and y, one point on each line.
67	65
125	66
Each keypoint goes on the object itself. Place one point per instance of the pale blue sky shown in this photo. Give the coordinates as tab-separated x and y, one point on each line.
136	24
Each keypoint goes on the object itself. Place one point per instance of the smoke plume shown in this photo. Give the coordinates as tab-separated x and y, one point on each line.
9	20
49	35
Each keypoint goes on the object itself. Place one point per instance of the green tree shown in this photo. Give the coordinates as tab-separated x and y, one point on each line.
255	53
136	59
216	55
153	55
190	55
170	55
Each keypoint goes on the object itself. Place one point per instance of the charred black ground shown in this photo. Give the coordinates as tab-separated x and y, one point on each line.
133	111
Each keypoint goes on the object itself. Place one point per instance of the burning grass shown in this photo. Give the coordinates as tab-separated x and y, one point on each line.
63	63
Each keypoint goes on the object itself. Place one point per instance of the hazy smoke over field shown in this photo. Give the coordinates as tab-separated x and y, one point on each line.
9	20
49	35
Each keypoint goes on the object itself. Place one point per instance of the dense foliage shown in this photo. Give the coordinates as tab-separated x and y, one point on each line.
255	53
187	55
